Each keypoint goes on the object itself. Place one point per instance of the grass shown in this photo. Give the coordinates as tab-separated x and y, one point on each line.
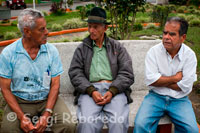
51	19
147	32
193	40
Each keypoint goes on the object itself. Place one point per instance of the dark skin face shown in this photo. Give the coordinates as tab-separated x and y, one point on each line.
37	35
97	31
171	39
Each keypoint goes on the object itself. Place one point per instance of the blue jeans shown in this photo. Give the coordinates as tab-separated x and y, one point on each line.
154	106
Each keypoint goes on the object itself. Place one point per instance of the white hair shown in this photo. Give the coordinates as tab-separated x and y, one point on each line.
27	18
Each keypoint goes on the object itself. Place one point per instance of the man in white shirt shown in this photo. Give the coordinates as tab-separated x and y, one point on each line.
170	73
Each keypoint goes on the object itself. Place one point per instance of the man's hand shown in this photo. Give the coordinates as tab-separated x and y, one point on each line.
97	97
178	76
42	123
106	98
26	124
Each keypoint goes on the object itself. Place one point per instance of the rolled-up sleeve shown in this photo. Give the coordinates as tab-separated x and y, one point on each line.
189	73
151	69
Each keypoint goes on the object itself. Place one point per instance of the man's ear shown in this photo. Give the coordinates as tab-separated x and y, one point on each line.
106	27
27	31
183	37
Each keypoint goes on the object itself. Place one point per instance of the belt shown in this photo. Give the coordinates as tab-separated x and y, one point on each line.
104	81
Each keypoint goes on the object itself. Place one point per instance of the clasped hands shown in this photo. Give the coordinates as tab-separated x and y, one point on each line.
40	126
101	100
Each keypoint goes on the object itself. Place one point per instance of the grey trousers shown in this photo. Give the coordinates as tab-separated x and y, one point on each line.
92	117
61	123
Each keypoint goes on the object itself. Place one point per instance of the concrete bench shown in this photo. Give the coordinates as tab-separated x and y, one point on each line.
137	50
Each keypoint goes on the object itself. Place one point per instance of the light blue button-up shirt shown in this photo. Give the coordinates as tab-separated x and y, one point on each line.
30	79
159	63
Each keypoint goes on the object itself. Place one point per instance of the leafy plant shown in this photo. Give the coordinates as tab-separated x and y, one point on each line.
181	9
151	26
10	35
160	14
143	20
74	23
182	16
84	10
137	27
195	22
45	13
122	14
190	17
56	7
56	27
178	2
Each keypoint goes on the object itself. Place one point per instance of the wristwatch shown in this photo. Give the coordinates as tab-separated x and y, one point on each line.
49	110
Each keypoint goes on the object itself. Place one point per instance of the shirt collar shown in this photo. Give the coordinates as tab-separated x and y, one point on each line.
179	54
20	48
94	44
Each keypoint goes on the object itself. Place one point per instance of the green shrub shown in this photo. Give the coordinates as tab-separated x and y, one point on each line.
5	21
172	7
45	13
191	7
160	14
197	12
151	26
181	9
56	27
182	16
83	24
191	11
143	20
84	10
74	23
137	27
178	2
194	22
10	35
190	17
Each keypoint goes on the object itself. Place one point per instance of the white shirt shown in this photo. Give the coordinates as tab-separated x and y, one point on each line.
159	63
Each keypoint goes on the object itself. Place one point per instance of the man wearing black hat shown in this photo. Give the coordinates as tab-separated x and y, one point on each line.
101	73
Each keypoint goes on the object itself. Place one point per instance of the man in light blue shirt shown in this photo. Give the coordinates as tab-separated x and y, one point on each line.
170	74
30	80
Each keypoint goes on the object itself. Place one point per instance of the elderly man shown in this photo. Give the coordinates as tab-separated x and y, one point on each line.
30	79
170	73
101	72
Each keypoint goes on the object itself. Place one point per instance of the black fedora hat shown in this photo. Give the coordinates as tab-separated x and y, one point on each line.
97	15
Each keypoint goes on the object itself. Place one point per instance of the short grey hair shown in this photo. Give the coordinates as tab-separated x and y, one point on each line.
27	18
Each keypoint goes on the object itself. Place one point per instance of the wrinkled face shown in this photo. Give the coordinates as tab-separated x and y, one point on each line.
171	39
39	33
96	30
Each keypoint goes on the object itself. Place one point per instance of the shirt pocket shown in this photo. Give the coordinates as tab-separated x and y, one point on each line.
46	79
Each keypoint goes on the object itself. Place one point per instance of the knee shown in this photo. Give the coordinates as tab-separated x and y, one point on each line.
139	123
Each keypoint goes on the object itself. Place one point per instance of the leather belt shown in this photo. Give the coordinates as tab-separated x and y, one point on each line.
104	81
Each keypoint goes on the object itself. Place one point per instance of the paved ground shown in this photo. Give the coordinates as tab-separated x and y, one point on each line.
46	7
70	37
